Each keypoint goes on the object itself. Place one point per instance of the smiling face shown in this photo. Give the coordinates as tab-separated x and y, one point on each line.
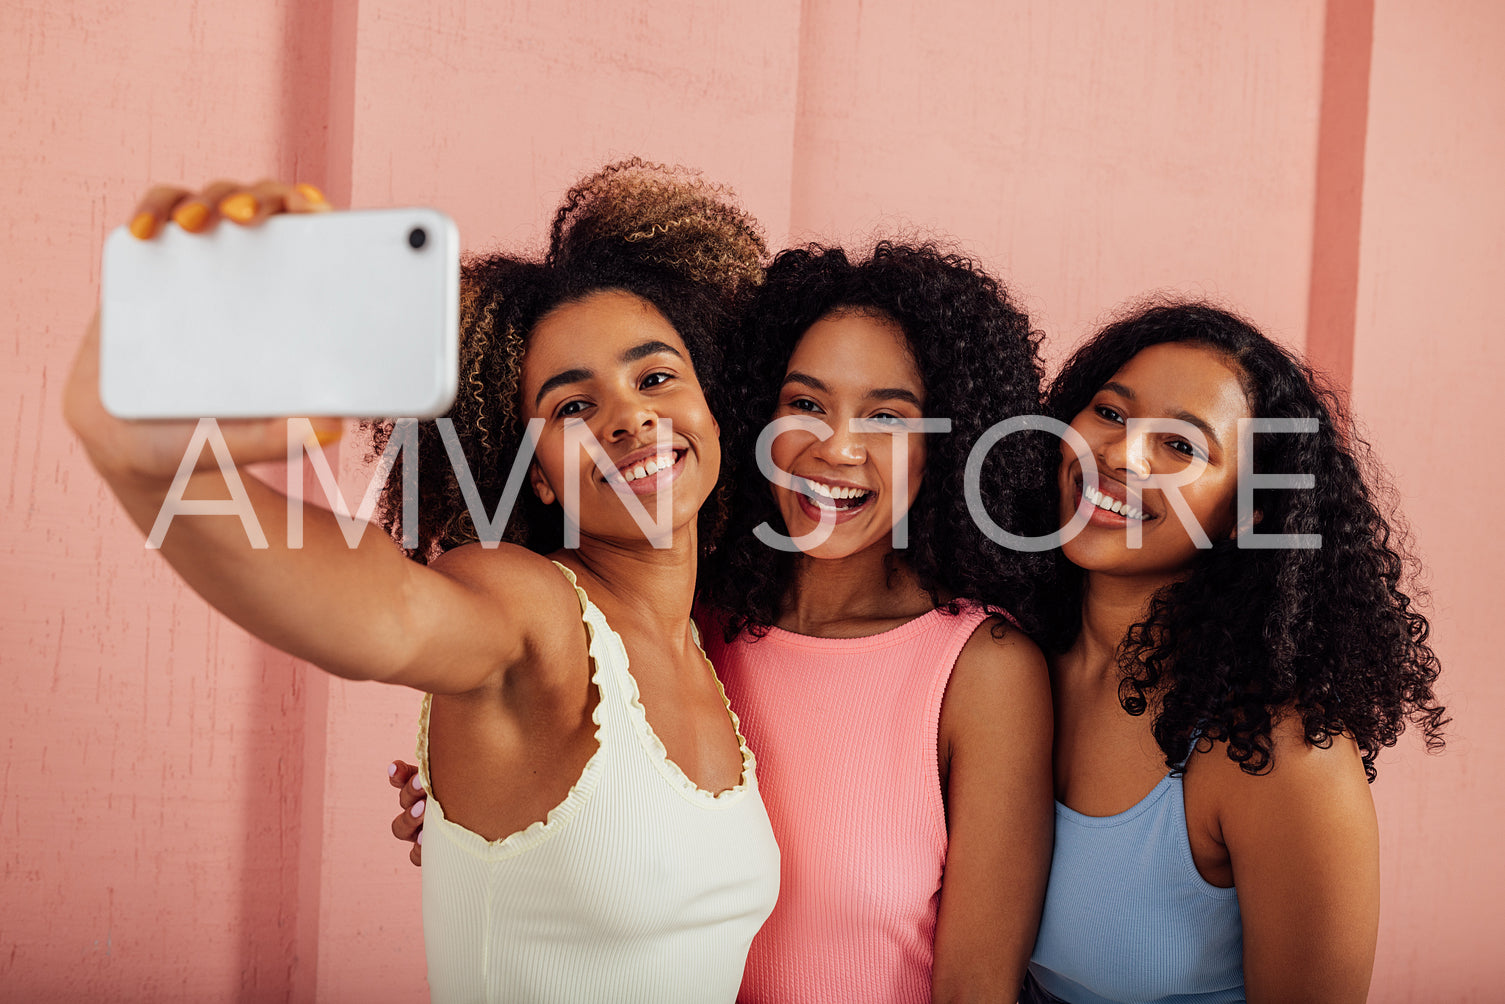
1182	381
610	362
849	366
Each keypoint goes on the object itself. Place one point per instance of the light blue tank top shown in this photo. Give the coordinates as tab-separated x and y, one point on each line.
1127	916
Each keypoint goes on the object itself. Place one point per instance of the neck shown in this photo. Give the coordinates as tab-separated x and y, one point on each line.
653	586
832	591
1110	606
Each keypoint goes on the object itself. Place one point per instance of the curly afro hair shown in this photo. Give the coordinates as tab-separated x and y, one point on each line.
1251	635
979	360
660	233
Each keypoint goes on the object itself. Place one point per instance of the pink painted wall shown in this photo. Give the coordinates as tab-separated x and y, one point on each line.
1090	151
186	815
1427	361
148	744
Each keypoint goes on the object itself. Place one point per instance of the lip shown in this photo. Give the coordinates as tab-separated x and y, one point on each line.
816	514
1098	516
653	483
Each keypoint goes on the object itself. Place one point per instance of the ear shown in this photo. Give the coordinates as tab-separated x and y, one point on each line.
540	485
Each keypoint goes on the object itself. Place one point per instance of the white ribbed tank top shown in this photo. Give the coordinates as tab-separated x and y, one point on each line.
638	887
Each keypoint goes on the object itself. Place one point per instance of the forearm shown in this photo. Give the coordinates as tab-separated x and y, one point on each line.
352	611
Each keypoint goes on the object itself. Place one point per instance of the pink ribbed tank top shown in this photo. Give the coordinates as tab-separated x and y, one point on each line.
845	732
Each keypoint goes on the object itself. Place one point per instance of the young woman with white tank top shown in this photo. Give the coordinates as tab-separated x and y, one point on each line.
602	835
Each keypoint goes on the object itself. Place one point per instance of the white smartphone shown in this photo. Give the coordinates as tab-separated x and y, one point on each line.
347	313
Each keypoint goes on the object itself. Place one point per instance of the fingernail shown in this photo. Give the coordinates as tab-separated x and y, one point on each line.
419	839
391	770
141	226
240	208
191	216
417	809
309	192
417	783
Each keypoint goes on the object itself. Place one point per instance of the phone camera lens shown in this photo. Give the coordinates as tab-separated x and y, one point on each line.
417	237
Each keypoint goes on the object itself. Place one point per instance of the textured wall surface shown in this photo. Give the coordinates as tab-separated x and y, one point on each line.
188	815
1427	360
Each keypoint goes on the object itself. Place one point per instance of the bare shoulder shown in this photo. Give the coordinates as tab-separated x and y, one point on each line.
517	613
1000	680
508	572
1306	785
1296	765
999	653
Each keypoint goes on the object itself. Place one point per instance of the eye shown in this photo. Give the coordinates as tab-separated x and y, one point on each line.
1184	447
1109	413
803	404
655	379
569	408
887	418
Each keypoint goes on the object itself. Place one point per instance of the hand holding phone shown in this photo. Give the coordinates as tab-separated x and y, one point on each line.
337	314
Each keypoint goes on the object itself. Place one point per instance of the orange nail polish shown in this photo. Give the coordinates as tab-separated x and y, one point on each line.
142	225
309	192
191	216
240	208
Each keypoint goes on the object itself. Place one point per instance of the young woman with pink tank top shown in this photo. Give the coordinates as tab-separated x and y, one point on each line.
902	721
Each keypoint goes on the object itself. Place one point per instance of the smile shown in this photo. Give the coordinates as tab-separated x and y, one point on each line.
651	466
1111	504
833	498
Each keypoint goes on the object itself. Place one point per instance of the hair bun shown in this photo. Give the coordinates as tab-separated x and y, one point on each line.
663	218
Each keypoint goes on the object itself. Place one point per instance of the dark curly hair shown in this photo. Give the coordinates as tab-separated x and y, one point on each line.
980	363
661	233
1251	635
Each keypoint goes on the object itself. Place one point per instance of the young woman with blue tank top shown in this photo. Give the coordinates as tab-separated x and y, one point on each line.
1219	707
596	832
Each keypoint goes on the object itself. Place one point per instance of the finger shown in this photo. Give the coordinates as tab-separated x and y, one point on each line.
157	447
400	773
248	440
154	209
416	854
405	827
411	793
250	207
199	212
305	198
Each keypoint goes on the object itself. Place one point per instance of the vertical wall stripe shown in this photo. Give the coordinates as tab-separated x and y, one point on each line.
1342	127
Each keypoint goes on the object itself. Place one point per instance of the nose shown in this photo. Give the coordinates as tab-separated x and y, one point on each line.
1127	454
844	447
632	418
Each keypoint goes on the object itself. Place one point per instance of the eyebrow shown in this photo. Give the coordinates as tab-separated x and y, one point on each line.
1191	419
632	355
876	394
1181	416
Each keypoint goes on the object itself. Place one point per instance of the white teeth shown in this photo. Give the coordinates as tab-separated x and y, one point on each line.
819	491
649	467
1104	501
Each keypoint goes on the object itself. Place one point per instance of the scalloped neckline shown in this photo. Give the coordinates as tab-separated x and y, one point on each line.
652	744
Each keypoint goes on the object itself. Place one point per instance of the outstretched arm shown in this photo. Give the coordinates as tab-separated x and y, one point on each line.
996	729
363	612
